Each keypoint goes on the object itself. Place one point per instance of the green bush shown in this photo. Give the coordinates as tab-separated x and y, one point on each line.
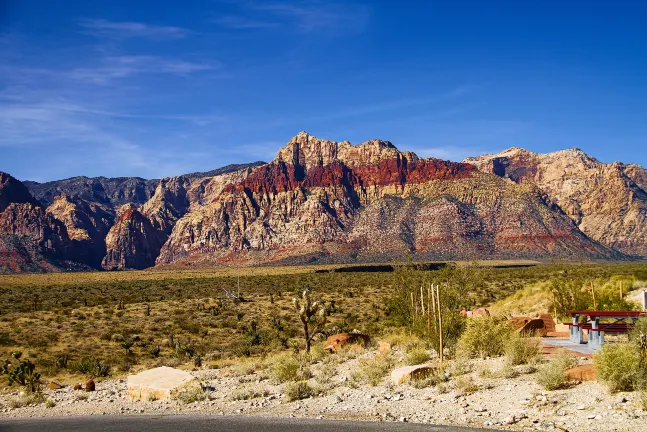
552	375
298	390
372	371
484	337
193	395
287	367
520	350
417	355
91	366
618	366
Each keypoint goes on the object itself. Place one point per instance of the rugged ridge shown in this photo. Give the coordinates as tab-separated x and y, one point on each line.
608	202
330	201
87	225
132	242
174	197
110	192
13	191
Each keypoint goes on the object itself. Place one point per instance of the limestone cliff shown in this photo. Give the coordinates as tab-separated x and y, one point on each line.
608	202
328	201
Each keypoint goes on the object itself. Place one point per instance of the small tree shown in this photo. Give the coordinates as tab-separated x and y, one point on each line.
127	344
312	314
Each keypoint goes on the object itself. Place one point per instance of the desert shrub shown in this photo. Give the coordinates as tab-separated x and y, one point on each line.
248	394
193	395
298	390
326	373
417	355
286	367
484	337
430	380
50	403
461	366
372	371
485	371
508	372
91	366
465	386
519	350
618	365
638	337
642	400
407	280
552	375
5	339
21	372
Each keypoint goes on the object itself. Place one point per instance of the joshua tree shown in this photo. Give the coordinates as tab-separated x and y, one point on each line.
312	314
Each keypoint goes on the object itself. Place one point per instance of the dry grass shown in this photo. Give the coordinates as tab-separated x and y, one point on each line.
191	317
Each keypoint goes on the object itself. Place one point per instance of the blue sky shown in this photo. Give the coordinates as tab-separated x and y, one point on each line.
158	88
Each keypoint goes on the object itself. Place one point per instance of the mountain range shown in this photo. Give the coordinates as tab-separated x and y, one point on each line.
331	202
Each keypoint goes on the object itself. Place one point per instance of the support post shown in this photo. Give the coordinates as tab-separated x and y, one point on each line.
413	309
440	325
422	301
593	333
428	307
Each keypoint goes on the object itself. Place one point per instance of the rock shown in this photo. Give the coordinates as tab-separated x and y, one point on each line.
481	312
604	200
510	420
582	373
160	384
529	326
383	347
89	385
337	342
411	373
53	385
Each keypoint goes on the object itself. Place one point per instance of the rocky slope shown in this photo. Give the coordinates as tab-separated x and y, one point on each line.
608	202
13	191
31	240
333	201
132	242
152	223
87	225
110	192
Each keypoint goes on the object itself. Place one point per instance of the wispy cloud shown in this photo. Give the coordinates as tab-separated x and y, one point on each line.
392	105
111	68
305	16
312	15
125	29
242	23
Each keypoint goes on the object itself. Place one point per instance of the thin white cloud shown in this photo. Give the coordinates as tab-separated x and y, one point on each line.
124	29
305	16
241	23
112	68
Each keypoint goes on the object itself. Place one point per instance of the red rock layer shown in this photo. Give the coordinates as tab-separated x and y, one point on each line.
282	177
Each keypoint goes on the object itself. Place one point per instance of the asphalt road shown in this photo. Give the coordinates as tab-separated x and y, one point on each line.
209	423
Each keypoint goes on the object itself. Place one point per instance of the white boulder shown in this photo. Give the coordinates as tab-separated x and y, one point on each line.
160	383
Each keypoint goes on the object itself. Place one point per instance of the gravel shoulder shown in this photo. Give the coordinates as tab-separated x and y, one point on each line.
505	404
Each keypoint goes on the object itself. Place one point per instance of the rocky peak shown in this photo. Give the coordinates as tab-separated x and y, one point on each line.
13	191
606	201
307	152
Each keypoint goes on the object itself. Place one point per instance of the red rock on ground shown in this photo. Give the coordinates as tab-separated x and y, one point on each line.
337	342
582	373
